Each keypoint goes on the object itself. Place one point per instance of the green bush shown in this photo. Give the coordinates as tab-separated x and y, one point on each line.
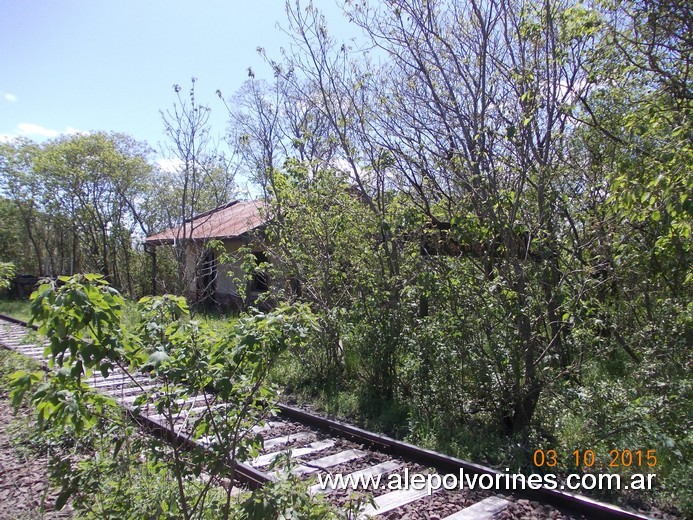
110	470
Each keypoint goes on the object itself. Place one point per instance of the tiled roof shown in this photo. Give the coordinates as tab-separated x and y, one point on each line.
228	221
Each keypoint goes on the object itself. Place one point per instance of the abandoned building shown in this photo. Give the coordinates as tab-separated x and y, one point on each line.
205	278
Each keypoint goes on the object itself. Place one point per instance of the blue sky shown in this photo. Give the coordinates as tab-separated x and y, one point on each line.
88	65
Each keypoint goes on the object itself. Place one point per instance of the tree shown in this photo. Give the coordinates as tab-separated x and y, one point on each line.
22	187
95	180
496	208
203	179
474	138
79	200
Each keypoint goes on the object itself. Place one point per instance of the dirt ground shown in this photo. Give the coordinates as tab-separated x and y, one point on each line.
24	489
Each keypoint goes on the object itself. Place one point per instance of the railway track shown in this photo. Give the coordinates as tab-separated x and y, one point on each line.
323	447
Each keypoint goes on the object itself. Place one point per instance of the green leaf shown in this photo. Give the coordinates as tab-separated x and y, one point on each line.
62	499
157	358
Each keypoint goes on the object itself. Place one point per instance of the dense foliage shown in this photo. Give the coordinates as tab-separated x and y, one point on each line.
6	275
103	464
485	203
85	202
75	202
490	213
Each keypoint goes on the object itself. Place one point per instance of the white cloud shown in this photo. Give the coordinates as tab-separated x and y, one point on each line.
9	97
170	165
34	131
29	129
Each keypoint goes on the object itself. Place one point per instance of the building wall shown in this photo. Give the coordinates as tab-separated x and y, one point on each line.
227	292
229	274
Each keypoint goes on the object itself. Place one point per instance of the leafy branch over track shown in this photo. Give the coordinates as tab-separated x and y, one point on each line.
82	318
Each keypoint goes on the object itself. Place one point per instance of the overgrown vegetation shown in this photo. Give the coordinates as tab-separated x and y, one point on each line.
6	275
16	308
84	203
100	460
491	218
486	205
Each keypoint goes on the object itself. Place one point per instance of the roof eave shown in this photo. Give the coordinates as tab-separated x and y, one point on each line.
171	241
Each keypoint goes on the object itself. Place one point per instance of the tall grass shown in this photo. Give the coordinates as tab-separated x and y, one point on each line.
19	309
